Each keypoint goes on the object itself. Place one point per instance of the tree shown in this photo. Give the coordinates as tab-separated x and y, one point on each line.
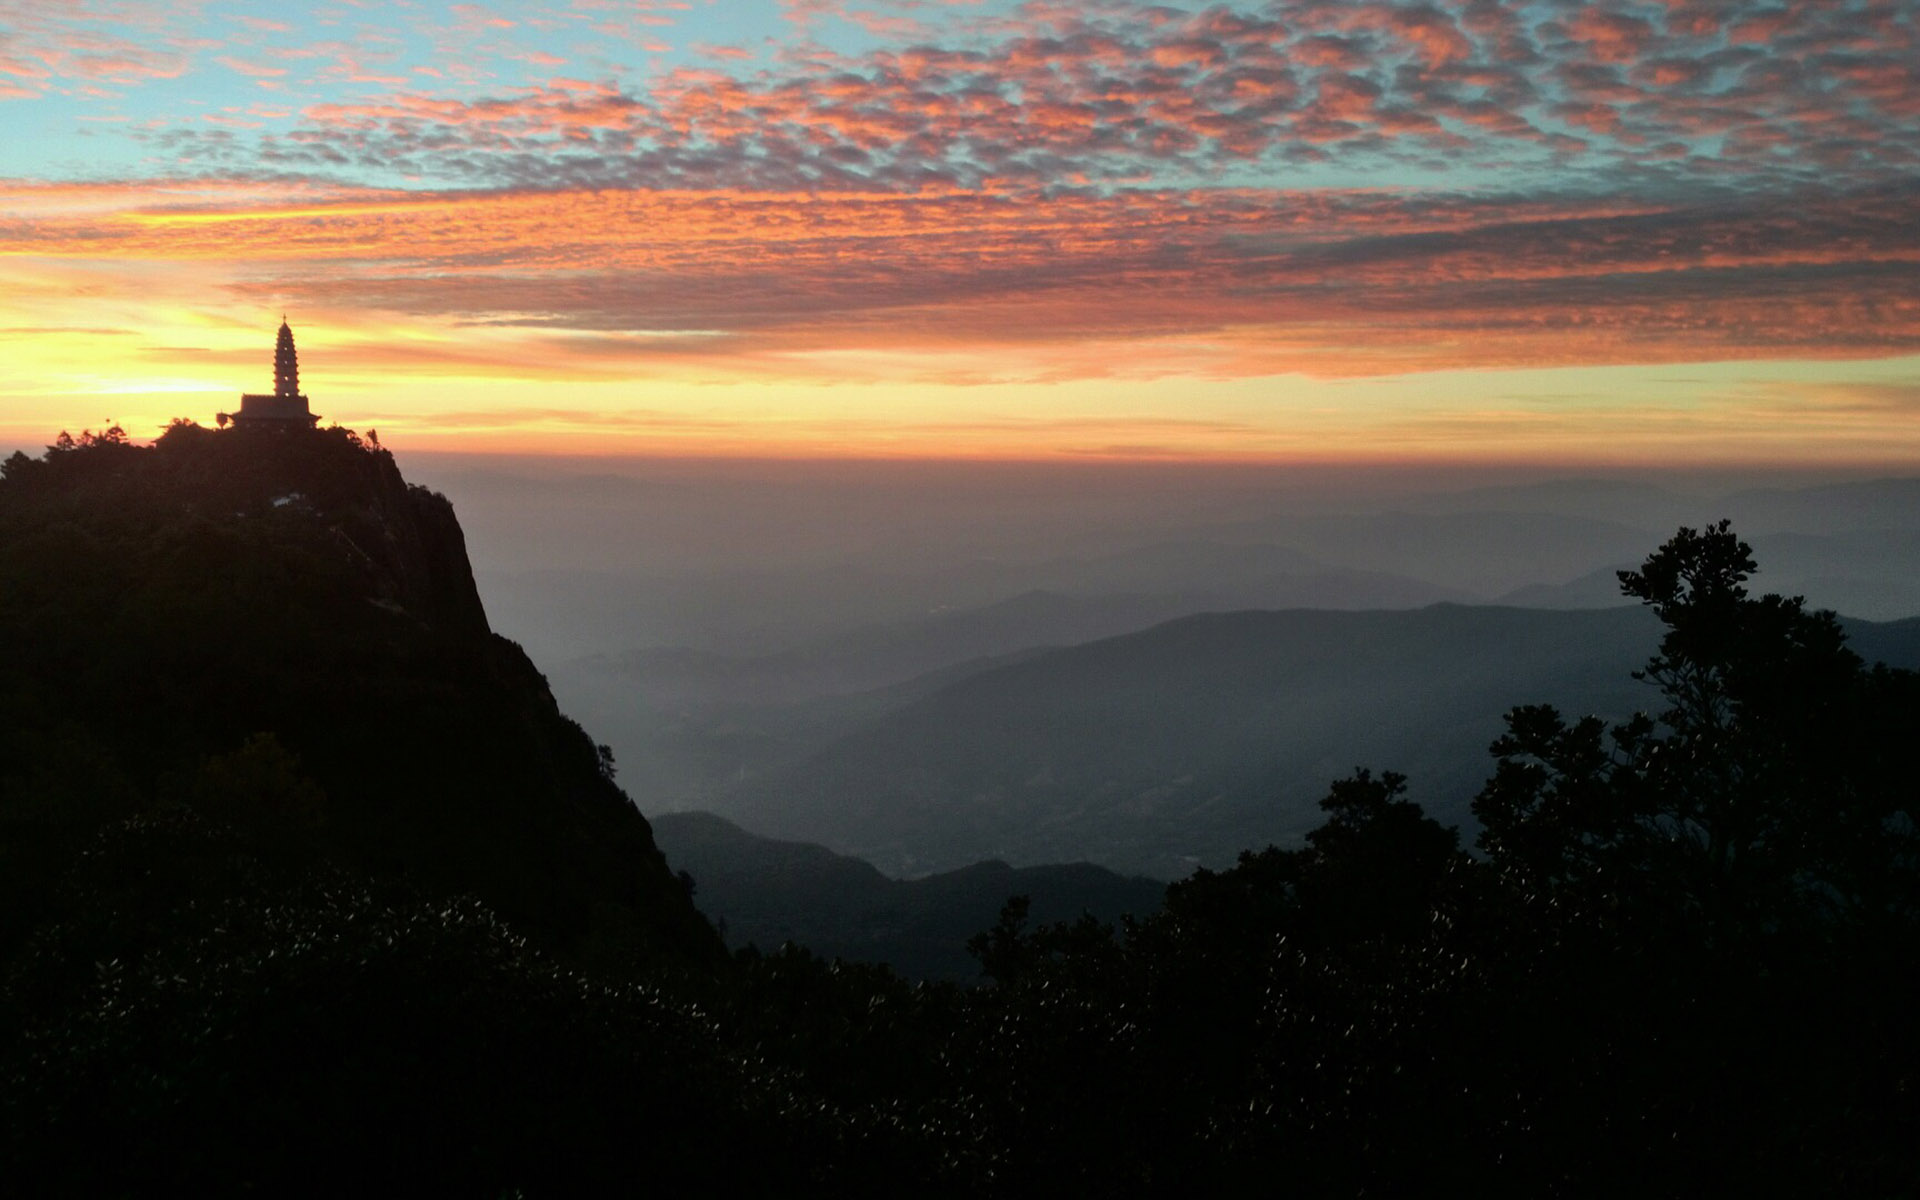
1764	781
1375	868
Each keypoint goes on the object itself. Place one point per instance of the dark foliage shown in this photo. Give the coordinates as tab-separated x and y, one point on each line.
306	885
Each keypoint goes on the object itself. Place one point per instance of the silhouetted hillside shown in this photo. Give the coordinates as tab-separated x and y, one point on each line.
767	893
294	601
300	865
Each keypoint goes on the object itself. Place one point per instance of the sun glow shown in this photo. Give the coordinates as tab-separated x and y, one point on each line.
1011	234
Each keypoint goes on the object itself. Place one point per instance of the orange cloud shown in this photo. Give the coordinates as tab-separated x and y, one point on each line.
1222	283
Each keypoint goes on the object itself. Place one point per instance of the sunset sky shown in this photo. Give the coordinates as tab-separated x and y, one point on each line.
1616	232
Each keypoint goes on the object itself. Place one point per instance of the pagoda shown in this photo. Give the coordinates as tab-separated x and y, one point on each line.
285	408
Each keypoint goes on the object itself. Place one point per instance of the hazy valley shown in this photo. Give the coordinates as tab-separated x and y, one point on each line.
981	666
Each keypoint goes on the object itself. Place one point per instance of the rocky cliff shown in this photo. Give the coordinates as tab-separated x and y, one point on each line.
179	622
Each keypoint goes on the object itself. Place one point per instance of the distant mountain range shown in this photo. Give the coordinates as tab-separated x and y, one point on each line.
882	655
691	723
766	893
711	677
1872	574
1188	742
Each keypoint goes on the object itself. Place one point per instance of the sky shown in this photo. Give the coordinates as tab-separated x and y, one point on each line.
1624	232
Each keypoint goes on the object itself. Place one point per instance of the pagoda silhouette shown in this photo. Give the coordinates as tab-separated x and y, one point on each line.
285	407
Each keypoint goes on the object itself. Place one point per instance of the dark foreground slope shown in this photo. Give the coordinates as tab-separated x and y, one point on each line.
164	607
304	879
767	893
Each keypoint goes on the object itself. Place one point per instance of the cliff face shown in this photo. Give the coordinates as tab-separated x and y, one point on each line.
180	623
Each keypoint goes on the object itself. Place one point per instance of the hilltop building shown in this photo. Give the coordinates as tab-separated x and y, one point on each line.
285	408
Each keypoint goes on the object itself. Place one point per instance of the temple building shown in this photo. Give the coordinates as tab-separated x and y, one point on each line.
285	408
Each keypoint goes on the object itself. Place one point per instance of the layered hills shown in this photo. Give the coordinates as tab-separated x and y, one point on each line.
767	893
722	628
1188	742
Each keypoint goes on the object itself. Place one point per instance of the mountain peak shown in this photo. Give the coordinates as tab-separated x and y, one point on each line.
180	600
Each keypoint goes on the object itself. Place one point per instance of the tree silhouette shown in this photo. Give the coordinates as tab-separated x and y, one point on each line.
1763	783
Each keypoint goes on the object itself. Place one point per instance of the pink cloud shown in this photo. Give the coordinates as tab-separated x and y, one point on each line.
1121	93
256	70
1331	283
1610	36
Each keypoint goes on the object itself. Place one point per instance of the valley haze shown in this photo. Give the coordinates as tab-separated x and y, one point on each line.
735	629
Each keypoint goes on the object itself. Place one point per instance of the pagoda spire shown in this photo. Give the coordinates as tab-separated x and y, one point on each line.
283	408
286	364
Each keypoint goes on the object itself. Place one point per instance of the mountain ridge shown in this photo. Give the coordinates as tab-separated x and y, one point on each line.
1188	742
766	892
